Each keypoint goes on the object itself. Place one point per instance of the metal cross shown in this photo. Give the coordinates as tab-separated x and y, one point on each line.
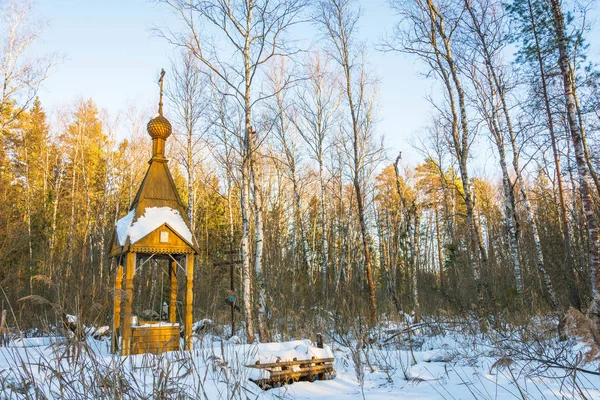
160	82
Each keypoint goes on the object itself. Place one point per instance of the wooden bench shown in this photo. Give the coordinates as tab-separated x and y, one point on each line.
287	372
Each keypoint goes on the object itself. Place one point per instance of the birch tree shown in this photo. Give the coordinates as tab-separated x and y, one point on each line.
427	32
20	76
411	219
338	20
286	133
189	94
486	23
575	130
234	40
318	101
532	19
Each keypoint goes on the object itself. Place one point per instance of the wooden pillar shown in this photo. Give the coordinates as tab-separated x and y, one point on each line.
127	313
117	308
189	300
173	299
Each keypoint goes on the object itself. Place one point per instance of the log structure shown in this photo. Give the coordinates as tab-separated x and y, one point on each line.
156	228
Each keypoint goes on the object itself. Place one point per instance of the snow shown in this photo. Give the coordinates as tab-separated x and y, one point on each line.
36	341
123	227
156	324
153	218
449	364
299	349
102	330
201	325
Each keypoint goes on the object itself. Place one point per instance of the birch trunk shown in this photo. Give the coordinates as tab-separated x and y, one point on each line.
460	131
438	239
414	238
574	295
246	278
582	171
324	241
258	246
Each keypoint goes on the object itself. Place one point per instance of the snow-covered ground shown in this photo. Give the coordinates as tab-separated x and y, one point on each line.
393	363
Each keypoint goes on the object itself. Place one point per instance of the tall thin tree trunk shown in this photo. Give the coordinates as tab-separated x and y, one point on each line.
246	277
324	241
569	265
300	221
414	238
460	135
438	239
258	245
586	150
72	222
190	180
582	171
358	190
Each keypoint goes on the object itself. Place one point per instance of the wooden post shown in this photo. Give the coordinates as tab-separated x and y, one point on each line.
173	299
126	329
3	335
189	300
117	309
319	340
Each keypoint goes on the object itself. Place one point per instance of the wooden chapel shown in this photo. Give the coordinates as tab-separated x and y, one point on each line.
156	229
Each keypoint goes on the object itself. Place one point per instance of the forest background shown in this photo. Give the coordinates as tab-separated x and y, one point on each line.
278	153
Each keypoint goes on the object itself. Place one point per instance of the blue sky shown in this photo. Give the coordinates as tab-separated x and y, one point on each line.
111	56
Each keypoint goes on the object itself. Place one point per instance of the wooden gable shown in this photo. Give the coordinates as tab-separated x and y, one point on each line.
164	239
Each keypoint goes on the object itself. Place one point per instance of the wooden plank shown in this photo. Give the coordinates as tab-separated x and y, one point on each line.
117	308
155	334
154	343
289	363
302	371
160	329
3	329
126	328
143	339
160	339
157	328
155	347
149	333
277	378
189	302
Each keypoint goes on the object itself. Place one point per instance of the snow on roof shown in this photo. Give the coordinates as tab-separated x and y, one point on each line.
153	218
123	226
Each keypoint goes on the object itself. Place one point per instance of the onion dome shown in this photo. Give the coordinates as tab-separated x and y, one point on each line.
159	127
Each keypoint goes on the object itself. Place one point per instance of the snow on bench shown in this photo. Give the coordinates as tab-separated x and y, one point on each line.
280	363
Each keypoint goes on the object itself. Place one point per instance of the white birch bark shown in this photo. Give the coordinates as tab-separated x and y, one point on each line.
582	171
